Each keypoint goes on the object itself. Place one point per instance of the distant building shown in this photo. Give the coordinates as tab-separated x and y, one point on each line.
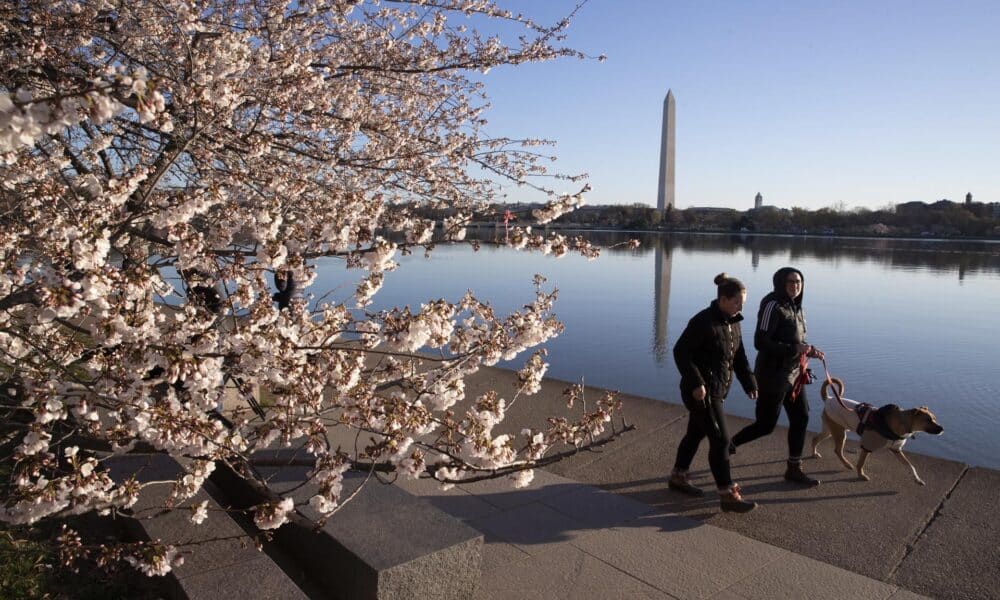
707	210
758	201
912	206
968	199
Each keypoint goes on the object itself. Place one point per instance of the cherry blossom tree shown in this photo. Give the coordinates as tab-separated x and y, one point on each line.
164	162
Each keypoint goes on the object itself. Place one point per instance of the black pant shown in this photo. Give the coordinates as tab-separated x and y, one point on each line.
769	403
706	421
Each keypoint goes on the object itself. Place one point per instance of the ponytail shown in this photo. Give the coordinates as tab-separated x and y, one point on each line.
728	286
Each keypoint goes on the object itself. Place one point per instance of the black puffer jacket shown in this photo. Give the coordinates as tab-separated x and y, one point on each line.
781	327
708	352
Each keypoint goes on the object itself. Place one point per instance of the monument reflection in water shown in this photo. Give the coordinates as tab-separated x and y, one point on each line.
903	321
661	298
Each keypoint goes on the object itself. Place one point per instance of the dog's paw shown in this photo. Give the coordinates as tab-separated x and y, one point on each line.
920	481
816	454
864	477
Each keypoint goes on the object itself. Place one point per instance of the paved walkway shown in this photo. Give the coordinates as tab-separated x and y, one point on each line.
604	524
564	539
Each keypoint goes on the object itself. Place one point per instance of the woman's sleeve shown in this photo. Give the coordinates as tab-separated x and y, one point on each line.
768	319
689	341
743	372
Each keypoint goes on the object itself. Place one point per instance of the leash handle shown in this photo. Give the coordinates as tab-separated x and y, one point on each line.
803	376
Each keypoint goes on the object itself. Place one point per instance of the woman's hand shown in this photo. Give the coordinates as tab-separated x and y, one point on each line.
699	393
752	395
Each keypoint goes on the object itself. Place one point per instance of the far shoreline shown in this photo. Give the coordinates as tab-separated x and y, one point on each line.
994	240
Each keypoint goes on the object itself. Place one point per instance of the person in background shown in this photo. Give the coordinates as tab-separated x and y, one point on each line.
284	281
780	368
707	353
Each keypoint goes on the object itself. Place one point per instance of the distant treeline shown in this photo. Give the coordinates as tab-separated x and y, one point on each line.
912	219
961	257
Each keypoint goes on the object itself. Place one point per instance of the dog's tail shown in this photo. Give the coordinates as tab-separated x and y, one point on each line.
839	390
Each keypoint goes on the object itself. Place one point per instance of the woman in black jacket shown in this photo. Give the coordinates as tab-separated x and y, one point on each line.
707	353
780	339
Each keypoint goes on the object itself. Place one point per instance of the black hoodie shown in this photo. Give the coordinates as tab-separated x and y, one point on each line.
781	327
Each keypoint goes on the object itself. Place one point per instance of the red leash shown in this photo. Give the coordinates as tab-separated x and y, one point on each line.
803	377
833	386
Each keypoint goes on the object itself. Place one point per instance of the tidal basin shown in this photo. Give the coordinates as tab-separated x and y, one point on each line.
908	322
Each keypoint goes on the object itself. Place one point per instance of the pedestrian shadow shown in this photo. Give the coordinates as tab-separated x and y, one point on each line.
535	520
551	513
734	464
767	476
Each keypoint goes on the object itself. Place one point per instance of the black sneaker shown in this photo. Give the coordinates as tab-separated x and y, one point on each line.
732	501
795	474
682	485
732	448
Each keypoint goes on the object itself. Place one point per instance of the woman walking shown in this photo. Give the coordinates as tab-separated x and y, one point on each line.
780	339
707	353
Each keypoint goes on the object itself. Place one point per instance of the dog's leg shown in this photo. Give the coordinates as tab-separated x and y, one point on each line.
839	439
822	435
861	465
906	461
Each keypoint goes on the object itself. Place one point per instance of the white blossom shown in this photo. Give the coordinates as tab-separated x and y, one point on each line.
274	514
322	504
531	375
199	512
158	561
523	478
35	441
558	207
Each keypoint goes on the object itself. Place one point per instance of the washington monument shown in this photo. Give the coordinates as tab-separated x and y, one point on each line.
665	195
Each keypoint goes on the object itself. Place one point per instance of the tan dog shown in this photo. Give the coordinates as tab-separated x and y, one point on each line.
888	426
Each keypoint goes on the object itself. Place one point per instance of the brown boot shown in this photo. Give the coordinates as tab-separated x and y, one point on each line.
732	501
682	484
795	474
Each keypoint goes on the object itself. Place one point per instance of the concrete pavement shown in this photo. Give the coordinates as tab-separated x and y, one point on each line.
604	524
563	539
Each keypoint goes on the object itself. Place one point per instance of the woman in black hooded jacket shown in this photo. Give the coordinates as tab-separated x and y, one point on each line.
780	339
707	353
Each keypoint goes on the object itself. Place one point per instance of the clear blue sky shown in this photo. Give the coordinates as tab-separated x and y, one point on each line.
813	104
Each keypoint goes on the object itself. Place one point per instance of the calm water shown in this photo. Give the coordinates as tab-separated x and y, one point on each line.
911	322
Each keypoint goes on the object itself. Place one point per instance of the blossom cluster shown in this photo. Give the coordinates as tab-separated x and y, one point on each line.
329	476
559	206
156	559
273	514
530	377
